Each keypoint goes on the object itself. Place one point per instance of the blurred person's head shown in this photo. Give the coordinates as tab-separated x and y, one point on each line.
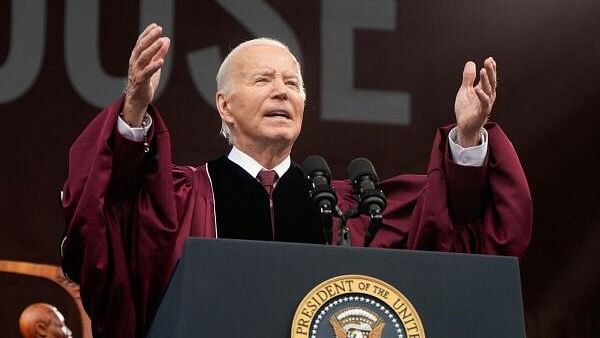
43	320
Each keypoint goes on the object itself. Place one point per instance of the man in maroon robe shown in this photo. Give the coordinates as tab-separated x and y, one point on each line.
129	209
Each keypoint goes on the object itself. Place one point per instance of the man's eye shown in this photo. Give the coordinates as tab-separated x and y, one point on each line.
292	84
261	80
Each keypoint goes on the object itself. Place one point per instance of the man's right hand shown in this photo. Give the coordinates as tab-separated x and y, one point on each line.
145	63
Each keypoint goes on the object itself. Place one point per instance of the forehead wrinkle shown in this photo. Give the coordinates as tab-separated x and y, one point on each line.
263	71
257	65
286	74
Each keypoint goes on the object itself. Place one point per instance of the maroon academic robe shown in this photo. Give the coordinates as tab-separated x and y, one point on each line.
127	220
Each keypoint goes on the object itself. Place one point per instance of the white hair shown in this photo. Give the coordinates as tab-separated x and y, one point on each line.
224	74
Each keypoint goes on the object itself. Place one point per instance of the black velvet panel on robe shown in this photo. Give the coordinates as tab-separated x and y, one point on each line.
242	205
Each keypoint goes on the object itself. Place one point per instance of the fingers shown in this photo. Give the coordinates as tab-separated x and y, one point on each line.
469	74
145	32
484	99
474	102
147	72
486	90
490	66
153	58
484	80
145	62
164	49
145	41
149	53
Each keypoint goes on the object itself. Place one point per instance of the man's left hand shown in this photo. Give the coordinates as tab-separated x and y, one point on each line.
473	104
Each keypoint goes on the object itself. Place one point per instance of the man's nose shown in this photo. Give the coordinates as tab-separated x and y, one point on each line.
279	90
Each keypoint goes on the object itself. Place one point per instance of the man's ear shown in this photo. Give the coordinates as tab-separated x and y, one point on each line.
224	108
41	329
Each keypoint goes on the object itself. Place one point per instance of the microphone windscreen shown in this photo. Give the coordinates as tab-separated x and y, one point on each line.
360	166
316	163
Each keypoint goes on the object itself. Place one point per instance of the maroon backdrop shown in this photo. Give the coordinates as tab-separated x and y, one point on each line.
548	54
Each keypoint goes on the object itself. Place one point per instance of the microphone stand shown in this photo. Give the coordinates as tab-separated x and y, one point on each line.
327	214
376	220
327	221
344	235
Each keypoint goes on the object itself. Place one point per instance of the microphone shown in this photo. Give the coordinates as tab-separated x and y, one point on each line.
371	199
318	174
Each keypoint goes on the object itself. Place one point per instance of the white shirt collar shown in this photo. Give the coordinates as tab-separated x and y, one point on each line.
252	167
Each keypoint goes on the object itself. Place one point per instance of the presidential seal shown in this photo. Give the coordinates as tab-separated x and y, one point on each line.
355	306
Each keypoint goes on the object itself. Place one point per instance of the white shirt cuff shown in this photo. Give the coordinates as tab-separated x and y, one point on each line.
130	133
472	156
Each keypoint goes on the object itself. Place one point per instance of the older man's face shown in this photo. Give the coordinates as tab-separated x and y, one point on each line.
265	102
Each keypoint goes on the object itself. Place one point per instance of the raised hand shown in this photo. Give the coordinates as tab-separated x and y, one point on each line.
143	76
473	104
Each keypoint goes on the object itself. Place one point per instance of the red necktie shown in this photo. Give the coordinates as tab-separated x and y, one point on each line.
268	179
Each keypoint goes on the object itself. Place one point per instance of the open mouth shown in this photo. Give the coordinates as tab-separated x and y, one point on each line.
278	114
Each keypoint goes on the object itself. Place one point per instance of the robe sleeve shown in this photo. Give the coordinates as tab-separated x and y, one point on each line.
125	212
454	208
485	210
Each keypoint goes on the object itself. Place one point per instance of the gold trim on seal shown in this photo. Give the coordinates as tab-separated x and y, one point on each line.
355	284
